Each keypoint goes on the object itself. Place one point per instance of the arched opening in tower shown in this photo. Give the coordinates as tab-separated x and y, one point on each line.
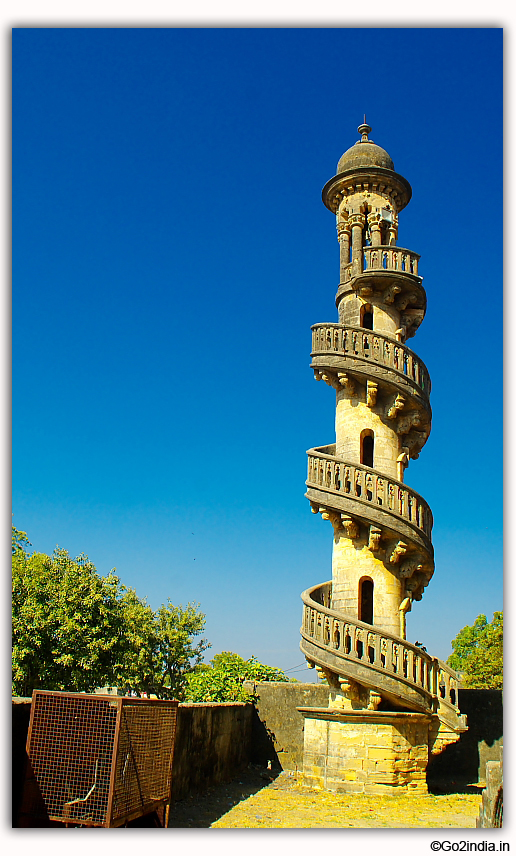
366	316
367	448
365	600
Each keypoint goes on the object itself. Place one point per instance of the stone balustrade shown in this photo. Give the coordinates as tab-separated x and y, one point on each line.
353	640
447	686
390	258
369	486
356	342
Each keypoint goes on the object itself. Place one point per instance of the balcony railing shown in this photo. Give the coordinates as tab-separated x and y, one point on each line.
390	258
356	342
367	485
386	258
356	641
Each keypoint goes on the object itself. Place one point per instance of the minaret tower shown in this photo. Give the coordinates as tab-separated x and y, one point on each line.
354	627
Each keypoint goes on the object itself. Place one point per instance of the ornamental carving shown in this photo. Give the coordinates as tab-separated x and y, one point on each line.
330	379
397	404
402	301
390	293
346	381
372	392
397	552
375	534
406	423
410	566
350	526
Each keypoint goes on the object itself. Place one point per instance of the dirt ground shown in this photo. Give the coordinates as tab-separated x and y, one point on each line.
256	800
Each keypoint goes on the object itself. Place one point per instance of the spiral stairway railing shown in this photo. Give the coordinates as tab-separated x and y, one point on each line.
401	672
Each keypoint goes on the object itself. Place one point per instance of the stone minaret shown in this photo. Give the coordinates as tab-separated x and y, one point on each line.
354	627
382	410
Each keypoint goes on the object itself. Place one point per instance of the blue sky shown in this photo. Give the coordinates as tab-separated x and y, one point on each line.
170	252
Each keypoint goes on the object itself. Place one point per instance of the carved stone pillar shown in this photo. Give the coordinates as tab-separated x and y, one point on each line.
373	221
344	236
356	221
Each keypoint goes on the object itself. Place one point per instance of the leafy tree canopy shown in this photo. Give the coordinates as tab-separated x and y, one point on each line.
478	653
75	630
223	680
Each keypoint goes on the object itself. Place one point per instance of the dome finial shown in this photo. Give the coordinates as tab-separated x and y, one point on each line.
364	129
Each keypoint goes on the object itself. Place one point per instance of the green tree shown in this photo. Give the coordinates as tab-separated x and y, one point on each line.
223	680
137	666
67	623
478	653
75	630
178	656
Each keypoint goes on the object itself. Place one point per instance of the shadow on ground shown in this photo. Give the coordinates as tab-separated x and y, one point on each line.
441	788
202	809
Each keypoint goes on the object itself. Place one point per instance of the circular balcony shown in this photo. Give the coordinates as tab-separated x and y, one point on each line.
370	496
392	273
371	355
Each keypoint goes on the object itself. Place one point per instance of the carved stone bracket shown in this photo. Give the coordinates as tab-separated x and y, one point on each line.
411	320
404	300
397	552
372	392
407	422
414	440
374	700
350	526
350	688
347	382
390	293
397	404
330	379
364	290
331	678
375	534
333	517
410	566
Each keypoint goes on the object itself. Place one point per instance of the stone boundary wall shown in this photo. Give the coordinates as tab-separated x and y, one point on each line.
213	744
278	728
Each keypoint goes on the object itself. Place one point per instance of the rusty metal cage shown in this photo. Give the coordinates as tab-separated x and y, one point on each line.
98	760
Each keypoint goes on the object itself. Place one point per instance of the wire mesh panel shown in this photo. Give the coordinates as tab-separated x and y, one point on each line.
143	765
99	760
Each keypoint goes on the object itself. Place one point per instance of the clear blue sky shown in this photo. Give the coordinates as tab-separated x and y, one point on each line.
170	253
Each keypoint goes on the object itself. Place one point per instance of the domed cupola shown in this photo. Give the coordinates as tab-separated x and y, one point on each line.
365	153
366	164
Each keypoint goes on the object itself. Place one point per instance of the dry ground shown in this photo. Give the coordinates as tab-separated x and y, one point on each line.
254	801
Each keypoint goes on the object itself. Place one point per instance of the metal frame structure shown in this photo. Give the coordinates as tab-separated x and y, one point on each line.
98	760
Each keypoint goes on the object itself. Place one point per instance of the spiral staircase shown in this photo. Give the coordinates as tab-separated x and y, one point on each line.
353	628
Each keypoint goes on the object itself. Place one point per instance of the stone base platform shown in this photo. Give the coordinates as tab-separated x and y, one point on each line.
365	751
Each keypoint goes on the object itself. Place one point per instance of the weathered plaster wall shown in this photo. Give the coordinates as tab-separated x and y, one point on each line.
278	729
213	743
